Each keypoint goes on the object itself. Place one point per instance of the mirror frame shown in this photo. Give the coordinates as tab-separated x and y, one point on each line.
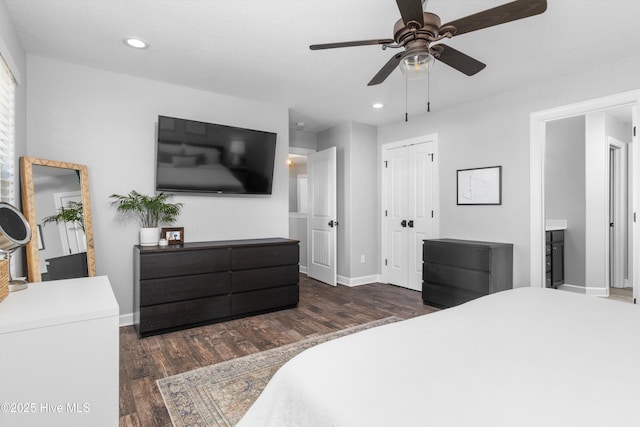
29	210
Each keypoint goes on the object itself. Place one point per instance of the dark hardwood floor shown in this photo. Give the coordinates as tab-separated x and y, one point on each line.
322	309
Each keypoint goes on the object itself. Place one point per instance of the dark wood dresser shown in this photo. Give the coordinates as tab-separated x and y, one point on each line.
192	284
457	271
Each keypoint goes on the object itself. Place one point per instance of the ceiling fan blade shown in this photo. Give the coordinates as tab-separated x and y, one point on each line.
411	11
458	60
498	15
350	44
387	69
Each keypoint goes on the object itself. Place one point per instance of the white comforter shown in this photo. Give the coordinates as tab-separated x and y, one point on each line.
525	357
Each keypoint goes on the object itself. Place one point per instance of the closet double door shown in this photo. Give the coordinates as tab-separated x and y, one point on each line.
408	211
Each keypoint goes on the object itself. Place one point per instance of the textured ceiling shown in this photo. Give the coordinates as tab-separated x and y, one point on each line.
259	49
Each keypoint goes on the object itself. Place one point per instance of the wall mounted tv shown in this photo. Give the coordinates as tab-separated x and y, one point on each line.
202	157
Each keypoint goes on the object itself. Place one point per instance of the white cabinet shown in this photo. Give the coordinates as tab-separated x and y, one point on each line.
59	354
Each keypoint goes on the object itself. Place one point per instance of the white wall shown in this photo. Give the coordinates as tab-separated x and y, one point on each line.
364	202
495	131
303	139
597	185
108	122
617	129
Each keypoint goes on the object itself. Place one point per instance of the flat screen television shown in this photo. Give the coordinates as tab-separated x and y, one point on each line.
200	157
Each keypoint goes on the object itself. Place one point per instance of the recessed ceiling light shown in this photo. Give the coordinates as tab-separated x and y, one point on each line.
378	105
135	43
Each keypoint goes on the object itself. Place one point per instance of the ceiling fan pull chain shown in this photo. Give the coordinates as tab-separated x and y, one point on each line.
406	99
429	91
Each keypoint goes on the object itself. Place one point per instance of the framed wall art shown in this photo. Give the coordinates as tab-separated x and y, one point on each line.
479	186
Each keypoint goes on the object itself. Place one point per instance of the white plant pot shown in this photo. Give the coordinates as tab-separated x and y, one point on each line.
149	236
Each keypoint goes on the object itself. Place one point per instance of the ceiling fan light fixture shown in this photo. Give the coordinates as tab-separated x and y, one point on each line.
417	65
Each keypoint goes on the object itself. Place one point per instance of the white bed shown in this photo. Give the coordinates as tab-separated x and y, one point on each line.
524	357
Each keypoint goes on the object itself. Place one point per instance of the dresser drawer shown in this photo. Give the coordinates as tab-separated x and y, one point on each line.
264	299
158	291
457	271
472	257
456	277
262	278
162	316
175	263
264	256
443	296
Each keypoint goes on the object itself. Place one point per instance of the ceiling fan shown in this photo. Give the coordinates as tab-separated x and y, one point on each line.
417	30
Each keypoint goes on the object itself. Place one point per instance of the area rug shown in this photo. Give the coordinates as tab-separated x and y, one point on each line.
220	394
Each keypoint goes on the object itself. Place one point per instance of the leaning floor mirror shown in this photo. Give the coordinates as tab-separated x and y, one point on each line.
55	201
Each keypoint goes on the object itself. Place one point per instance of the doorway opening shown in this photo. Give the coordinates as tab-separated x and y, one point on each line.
619	213
611	192
298	195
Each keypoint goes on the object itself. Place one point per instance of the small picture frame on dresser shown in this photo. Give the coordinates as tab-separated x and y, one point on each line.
174	235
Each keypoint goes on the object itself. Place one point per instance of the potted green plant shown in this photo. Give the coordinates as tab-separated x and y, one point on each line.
72	212
149	211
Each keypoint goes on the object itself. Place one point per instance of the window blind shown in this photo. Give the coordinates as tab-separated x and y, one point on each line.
7	133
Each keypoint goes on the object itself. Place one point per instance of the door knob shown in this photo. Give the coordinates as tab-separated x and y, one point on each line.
403	223
333	223
410	224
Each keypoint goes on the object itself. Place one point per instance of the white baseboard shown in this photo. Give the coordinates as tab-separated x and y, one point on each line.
126	319
572	288
597	292
357	281
351	281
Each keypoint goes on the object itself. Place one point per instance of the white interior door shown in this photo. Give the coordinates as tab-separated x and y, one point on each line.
396	259
408	211
420	202
322	216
